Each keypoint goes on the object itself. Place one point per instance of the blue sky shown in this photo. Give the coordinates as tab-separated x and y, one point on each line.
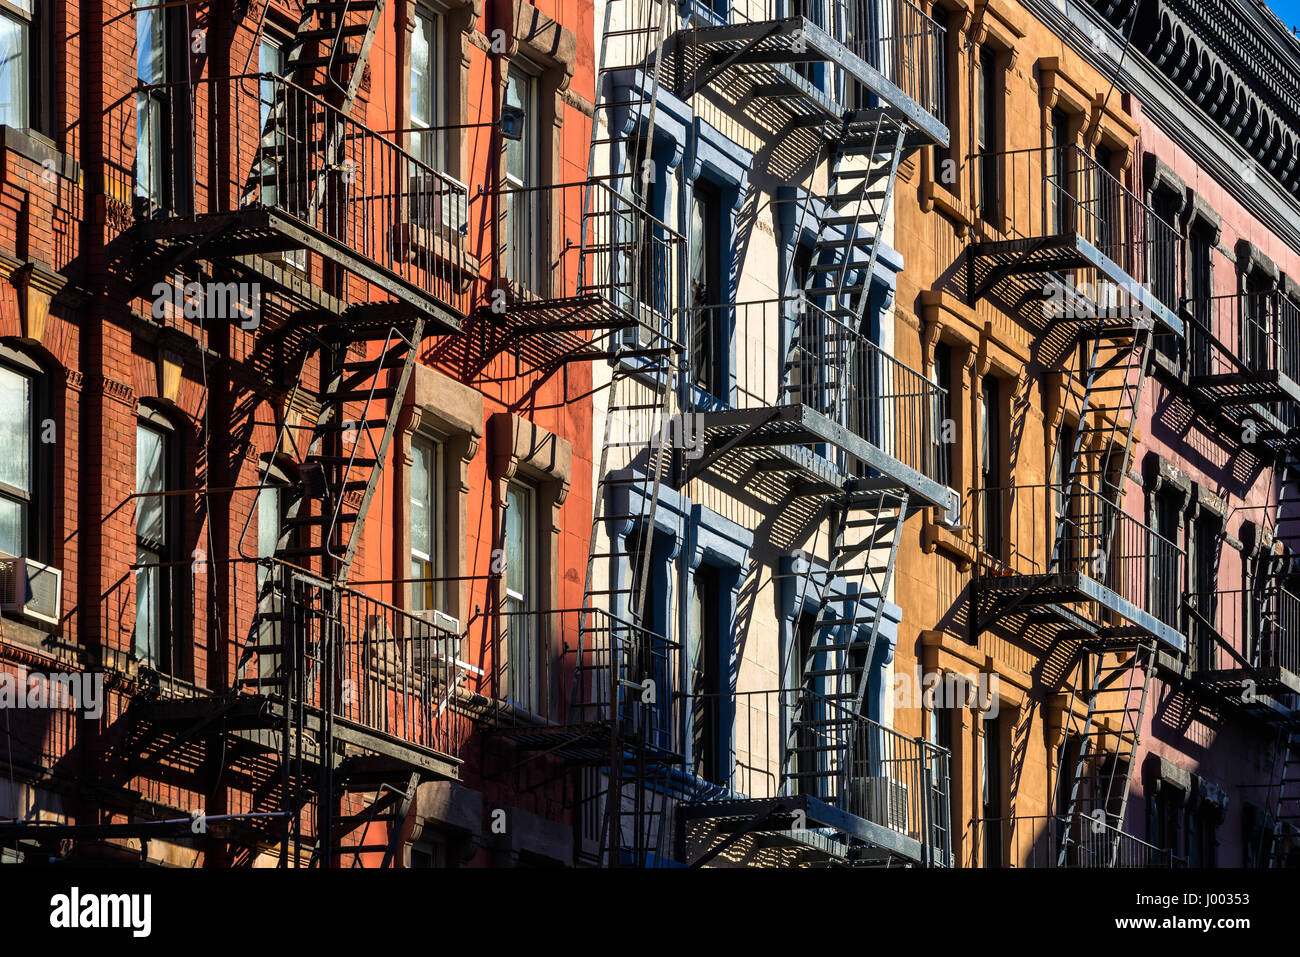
1288	11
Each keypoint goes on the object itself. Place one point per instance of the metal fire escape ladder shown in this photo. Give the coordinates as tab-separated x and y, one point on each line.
1118	367
333	36
866	520
639	415
1286	810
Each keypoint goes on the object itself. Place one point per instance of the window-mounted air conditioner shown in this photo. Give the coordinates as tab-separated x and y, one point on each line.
30	589
883	801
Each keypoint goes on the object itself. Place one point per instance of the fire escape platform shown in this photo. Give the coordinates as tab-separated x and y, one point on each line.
1050	594
764	451
998	260
1266	681
771	830
259	720
1247	388
235	236
754	62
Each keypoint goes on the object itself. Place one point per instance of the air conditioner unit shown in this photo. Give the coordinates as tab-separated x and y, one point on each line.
30	589
882	801
442	651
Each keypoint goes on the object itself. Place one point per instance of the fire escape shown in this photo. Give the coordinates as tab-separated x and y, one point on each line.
1244	642
832	441
1081	261
340	703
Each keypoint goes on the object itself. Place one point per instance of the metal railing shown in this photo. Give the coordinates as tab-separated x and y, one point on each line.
752	750
362	661
259	141
895	37
1058	191
1252	333
610	671
1229	629
1037	841
625	258
1019	531
739	358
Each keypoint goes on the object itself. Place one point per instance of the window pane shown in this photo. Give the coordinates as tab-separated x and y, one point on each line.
516	547
150	454
12	527
424	532
421	92
14	67
16	429
148	628
518	95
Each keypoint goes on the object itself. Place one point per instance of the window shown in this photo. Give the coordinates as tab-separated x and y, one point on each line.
425	89
158	547
1166	592
1063	513
803	763
1167	814
941	52
426	523
990	465
1106	206
1257	322
942	429
19	439
524	667
523	227
704	641
991	759
708	291
282	185
152	132
1060	193
22	91
1205	585
1166	204
986	133
1200	290
271	512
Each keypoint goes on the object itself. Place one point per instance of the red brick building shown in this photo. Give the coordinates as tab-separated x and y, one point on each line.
278	470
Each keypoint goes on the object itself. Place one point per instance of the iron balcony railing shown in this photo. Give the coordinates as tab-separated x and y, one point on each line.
1063	191
1244	629
258	141
1248	334
1033	530
610	672
586	255
895	37
761	354
361	661
744	745
1037	841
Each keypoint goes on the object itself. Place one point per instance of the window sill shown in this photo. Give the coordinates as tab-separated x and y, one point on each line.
413	243
954	544
40	150
937	197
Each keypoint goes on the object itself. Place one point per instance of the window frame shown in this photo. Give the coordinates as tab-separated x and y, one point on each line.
433	154
172	632
434	597
34	540
526	275
521	639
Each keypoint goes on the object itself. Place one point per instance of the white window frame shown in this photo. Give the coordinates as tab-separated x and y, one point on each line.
158	551
13	494
433	154
523	232
433	599
22	14
524	686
